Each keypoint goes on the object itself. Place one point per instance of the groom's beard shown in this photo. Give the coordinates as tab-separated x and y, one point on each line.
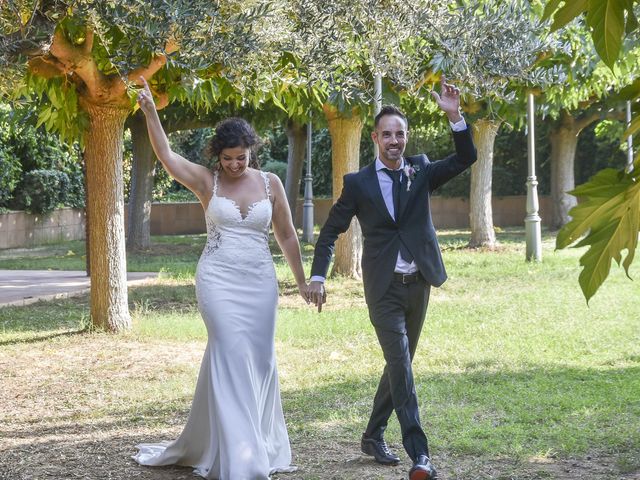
392	154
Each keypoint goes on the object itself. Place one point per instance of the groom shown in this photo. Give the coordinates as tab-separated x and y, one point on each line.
400	262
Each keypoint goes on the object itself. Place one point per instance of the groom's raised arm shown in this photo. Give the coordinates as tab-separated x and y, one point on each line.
441	171
444	170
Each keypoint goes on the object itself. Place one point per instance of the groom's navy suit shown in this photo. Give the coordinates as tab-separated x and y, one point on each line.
396	308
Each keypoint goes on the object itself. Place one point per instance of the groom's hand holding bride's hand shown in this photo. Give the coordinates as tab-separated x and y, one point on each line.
318	294
303	288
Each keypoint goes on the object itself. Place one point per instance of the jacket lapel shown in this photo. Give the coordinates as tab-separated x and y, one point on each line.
405	196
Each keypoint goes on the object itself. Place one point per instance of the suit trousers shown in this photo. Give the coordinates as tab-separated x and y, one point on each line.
398	317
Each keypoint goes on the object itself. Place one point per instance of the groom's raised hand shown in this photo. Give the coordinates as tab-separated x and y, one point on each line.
448	100
318	294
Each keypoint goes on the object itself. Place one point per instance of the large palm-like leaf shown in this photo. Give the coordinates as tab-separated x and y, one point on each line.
610	213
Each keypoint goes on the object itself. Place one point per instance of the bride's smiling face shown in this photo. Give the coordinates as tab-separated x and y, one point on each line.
234	161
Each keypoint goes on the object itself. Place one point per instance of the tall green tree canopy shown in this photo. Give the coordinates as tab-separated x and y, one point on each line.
79	63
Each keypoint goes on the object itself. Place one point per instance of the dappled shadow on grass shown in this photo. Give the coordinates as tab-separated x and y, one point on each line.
530	410
41	338
36	429
502	424
100	455
542	415
43	320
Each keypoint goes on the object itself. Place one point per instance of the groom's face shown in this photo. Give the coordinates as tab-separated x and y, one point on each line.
391	137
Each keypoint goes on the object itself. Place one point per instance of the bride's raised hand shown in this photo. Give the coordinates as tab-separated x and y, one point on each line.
145	98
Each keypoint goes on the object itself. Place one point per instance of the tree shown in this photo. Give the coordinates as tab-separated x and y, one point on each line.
297	142
292	100
342	46
497	71
608	219
350	43
79	62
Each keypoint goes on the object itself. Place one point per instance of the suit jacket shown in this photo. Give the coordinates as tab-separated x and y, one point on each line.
361	196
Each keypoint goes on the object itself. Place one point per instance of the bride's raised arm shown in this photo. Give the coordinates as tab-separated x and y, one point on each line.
195	177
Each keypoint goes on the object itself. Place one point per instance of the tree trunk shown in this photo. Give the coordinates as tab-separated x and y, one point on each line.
345	158
105	206
87	225
297	142
140	196
564	141
481	214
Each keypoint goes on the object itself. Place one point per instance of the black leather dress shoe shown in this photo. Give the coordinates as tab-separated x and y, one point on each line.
423	469
379	450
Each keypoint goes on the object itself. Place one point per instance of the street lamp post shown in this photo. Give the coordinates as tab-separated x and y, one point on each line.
629	139
532	220
307	207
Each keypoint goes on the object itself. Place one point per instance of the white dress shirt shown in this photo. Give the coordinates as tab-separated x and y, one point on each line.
386	186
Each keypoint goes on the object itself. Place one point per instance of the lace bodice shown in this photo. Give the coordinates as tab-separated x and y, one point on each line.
232	237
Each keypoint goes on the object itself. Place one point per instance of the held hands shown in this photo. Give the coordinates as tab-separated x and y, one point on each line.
317	294
303	288
145	98
448	100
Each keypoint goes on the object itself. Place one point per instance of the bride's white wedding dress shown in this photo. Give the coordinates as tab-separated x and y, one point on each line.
236	428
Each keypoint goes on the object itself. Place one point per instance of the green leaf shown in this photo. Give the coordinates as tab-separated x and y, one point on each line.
613	222
606	18
630	92
276	101
568	12
550	8
601	193
43	116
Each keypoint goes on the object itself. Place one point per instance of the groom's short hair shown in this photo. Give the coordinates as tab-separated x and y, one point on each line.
390	110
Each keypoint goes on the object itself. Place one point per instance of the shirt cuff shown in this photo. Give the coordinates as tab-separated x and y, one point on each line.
317	278
459	126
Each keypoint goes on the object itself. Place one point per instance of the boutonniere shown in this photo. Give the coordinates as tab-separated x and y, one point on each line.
410	172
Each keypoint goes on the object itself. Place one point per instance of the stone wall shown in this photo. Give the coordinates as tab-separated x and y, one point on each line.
19	229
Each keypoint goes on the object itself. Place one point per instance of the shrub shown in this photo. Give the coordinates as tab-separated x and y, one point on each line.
279	168
42	190
24	149
9	174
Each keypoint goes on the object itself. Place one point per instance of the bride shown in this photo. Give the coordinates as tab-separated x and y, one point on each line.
236	428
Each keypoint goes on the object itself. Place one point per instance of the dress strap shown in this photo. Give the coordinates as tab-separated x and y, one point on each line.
215	183
267	183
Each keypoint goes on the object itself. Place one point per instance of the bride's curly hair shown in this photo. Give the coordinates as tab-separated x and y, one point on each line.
235	132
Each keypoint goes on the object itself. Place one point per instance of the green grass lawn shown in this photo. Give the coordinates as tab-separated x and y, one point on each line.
512	366
175	252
